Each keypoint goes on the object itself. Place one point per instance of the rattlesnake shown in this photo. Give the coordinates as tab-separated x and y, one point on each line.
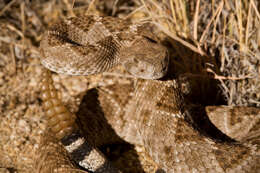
151	112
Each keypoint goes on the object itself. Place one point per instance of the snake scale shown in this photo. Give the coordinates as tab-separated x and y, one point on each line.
150	112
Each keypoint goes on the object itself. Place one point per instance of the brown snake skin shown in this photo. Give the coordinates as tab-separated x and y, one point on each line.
149	112
61	124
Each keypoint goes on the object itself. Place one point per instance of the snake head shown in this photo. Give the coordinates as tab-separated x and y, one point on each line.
146	58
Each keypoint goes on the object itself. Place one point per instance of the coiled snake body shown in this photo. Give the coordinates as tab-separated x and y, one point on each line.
155	108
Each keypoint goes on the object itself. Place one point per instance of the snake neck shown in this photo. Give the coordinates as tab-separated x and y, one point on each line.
160	95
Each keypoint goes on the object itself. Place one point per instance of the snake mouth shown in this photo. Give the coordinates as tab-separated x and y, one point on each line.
156	74
148	70
159	75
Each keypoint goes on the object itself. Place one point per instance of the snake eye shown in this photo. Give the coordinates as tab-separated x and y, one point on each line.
150	39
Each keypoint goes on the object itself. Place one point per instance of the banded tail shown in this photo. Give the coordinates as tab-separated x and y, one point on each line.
61	123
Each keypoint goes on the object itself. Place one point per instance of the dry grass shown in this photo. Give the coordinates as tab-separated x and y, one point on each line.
212	43
225	36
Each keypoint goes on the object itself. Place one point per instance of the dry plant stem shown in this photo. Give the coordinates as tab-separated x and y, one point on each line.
219	9
7	7
61	122
195	32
